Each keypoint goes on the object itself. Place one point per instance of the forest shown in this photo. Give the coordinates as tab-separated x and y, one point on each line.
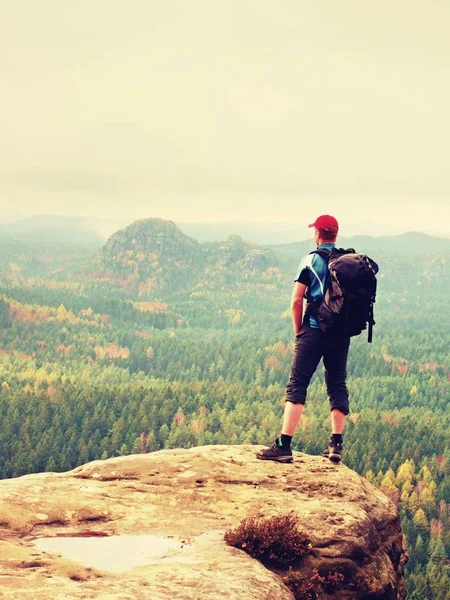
156	341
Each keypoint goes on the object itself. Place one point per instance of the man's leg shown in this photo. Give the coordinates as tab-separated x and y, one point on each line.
335	362
292	414
307	355
337	421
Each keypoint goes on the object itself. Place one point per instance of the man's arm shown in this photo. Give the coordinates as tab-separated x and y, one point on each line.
298	295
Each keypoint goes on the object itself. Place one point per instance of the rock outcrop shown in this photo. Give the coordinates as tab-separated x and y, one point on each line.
184	500
236	252
155	255
150	237
147	255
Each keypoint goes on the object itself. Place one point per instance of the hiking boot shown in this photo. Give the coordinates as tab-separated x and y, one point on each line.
333	452
276	452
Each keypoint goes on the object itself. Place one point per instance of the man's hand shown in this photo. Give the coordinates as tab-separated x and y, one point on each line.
297	298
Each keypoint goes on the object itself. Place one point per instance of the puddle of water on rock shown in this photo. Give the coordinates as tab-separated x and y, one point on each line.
117	553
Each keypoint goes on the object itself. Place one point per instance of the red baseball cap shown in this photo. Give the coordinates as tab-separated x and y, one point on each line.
325	223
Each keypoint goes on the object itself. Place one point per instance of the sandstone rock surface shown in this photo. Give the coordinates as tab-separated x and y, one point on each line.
191	497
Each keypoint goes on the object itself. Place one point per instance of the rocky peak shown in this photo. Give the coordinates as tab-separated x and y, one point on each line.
148	256
170	510
237	252
148	236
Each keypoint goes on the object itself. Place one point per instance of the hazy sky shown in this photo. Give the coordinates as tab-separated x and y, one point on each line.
270	110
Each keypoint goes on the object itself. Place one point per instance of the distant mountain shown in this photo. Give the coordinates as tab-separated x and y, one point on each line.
236	252
40	245
49	229
154	254
407	244
261	233
155	238
258	233
283	233
149	254
413	242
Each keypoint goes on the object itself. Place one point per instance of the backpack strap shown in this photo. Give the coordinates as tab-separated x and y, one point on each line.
371	324
311	308
323	252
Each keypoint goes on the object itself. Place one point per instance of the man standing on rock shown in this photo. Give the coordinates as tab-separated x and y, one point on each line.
311	344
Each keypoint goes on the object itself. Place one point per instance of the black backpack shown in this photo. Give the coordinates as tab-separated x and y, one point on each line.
347	305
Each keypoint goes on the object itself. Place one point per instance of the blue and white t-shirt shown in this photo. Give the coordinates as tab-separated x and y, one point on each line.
313	272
